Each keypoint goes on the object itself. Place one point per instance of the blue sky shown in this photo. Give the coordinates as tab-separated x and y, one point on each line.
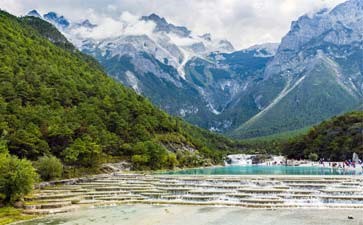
243	22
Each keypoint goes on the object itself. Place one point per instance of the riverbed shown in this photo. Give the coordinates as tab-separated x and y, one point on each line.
201	215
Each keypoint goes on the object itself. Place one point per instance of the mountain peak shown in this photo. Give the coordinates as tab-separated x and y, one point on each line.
162	25
86	23
156	18
52	15
207	36
34	13
225	46
60	21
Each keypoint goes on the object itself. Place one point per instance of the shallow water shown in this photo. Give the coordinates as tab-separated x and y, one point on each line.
199	215
266	170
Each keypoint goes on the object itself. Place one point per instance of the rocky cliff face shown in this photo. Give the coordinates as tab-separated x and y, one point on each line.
316	72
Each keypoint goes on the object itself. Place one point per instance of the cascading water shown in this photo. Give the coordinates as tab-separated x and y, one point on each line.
255	191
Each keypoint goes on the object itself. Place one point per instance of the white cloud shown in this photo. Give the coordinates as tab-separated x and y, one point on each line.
12	6
181	41
127	17
134	26
108	27
244	22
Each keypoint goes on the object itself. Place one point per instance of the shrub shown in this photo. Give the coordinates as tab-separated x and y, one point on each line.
172	162
49	167
17	177
149	155
3	147
84	152
313	157
139	162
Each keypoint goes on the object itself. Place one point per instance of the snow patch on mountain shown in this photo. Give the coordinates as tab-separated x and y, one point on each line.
212	109
132	79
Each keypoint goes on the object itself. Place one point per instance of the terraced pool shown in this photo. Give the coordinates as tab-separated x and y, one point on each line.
266	170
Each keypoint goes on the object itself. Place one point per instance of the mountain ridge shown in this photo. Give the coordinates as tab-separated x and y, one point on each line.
234	92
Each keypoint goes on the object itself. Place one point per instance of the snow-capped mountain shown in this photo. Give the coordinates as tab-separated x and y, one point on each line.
314	73
163	26
167	42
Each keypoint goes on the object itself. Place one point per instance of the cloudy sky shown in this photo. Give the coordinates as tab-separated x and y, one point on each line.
243	22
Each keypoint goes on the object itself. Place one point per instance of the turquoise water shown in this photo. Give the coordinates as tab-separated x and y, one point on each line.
266	170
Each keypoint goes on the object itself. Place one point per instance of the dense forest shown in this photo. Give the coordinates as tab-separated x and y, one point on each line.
56	101
335	139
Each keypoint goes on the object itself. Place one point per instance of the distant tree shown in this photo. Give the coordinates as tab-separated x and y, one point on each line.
49	168
313	157
153	155
172	162
83	151
139	162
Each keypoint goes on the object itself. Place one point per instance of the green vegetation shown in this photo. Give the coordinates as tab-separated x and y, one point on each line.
152	156
317	98
313	157
49	168
48	31
56	101
17	177
281	137
334	139
10	215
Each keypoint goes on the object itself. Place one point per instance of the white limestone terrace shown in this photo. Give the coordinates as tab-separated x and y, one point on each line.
244	191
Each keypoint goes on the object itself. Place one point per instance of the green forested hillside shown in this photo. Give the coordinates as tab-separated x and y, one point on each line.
48	31
56	101
318	97
334	139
